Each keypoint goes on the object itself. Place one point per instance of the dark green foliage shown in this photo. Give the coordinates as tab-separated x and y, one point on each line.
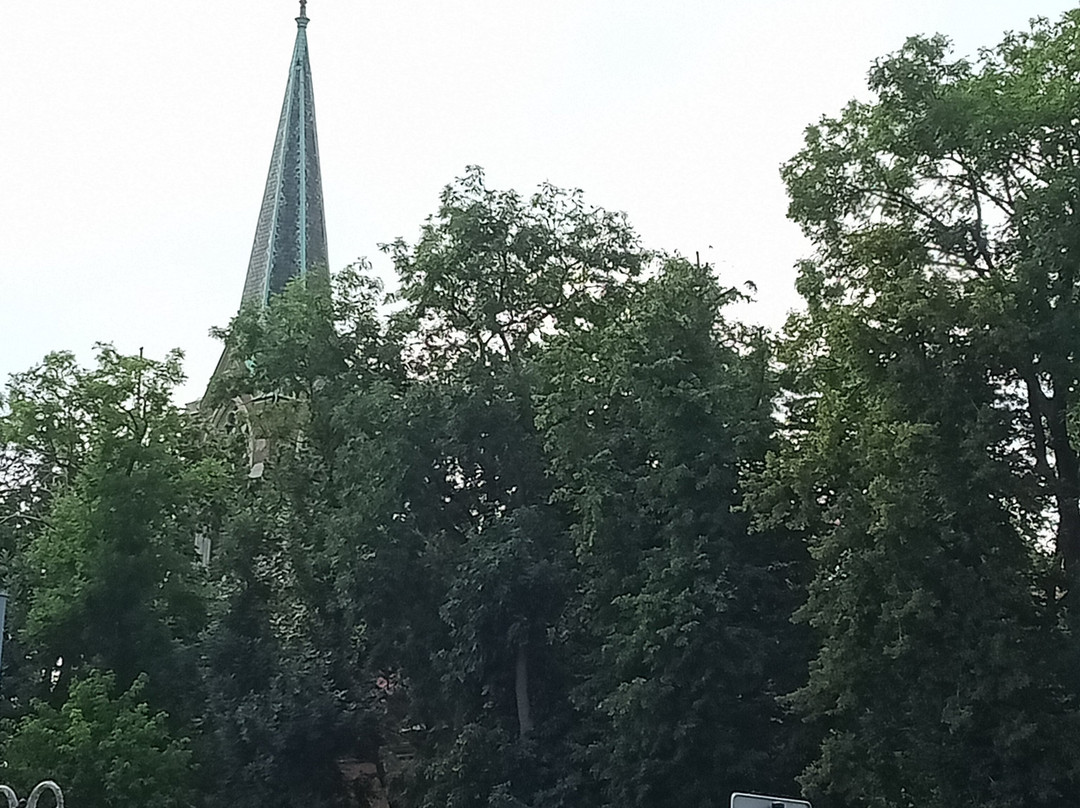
930	455
274	726
961	176
491	280
451	564
536	539
926	594
282	701
649	420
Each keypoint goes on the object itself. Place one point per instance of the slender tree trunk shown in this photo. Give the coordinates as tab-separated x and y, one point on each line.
1067	468
380	772
521	689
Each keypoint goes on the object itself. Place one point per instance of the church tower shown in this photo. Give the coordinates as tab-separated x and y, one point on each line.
290	238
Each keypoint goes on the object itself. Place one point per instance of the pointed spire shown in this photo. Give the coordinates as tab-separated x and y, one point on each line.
290	238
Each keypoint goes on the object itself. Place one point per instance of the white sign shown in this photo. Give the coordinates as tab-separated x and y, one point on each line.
740	800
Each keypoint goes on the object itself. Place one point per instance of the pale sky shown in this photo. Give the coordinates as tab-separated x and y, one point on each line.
136	135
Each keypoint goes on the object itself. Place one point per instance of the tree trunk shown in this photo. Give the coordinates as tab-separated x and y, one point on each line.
521	689
1067	468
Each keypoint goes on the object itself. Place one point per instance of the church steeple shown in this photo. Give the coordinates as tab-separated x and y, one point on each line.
290	238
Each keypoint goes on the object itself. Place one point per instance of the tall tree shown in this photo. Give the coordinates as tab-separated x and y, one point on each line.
281	665
965	174
929	443
108	484
685	637
493	277
116	484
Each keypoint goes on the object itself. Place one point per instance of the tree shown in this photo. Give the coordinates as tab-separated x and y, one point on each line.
930	390
493	278
925	695
649	419
280	663
494	274
115	484
964	174
107	749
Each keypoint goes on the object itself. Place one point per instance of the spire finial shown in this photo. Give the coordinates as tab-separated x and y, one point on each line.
303	9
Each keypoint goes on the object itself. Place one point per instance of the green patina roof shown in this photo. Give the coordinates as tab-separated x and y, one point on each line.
290	237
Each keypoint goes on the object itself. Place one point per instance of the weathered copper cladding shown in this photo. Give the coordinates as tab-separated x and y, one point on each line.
290	238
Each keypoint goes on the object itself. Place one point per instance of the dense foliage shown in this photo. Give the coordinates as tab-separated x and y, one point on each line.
932	455
549	528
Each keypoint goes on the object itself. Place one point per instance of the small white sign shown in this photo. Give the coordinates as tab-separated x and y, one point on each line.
740	800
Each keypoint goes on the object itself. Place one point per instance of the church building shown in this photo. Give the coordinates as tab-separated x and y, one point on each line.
290	237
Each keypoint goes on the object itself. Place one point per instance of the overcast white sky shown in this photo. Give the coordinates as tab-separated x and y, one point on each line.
136	135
